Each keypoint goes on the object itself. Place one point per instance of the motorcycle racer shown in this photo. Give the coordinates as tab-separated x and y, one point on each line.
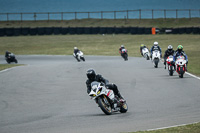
120	49
7	53
76	50
141	47
92	76
156	47
168	52
180	52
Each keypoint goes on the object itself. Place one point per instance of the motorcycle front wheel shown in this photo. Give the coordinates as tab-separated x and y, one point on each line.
16	61
124	108
105	105
181	72
171	71
156	63
83	58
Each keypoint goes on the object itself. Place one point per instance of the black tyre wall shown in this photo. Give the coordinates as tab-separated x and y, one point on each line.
25	31
9	31
17	31
33	31
41	31
2	32
57	30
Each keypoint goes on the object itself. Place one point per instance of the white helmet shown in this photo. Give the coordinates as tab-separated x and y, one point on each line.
155	43
75	47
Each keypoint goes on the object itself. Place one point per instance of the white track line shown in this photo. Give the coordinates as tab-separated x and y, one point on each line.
192	75
171	126
4	70
189	73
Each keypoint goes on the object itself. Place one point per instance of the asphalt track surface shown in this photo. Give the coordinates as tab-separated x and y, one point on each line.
48	95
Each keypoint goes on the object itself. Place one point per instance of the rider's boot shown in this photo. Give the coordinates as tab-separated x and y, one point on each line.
121	98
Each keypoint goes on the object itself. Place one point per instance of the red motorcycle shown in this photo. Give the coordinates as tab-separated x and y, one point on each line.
124	54
169	61
181	66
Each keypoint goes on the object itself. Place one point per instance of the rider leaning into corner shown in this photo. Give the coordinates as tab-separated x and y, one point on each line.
156	47
141	47
120	49
92	76
180	52
168	52
76	50
7	54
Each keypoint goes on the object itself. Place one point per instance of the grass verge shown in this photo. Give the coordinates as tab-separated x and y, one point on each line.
191	128
6	66
101	45
158	23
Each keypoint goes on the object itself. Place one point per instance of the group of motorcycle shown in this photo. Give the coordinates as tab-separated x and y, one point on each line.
80	57
179	66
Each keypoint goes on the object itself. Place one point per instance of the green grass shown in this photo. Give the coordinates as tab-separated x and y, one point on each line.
6	66
101	45
191	128
158	23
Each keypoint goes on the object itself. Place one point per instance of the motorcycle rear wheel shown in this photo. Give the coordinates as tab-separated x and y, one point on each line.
105	107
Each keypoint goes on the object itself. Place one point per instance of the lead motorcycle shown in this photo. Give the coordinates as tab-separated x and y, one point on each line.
79	56
145	53
156	58
106	99
171	68
124	54
11	58
180	66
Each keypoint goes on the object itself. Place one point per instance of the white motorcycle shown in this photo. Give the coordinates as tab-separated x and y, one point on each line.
156	58
181	65
106	99
145	53
79	56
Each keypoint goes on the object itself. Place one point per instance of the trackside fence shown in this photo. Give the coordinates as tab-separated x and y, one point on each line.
125	14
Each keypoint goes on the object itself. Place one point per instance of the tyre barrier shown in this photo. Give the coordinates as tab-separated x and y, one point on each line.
87	30
25	31
134	30
147	31
41	31
188	30
182	30
196	30
33	31
2	32
95	30
17	31
48	31
57	30
9	31
64	31
141	30
72	30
